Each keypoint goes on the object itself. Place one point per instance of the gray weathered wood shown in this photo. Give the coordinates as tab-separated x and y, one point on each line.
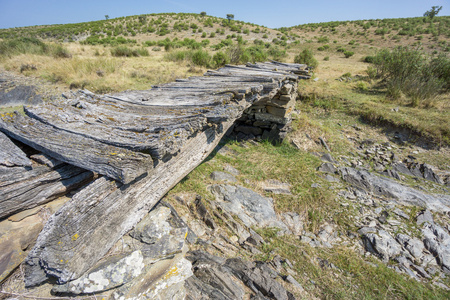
28	192
10	154
118	163
81	232
87	226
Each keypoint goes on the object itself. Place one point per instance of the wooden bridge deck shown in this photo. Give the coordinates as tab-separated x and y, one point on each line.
140	143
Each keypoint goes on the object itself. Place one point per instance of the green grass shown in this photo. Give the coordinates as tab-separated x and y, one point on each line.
354	278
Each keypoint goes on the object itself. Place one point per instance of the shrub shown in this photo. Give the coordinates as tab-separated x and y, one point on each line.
220	59
348	54
124	51
326	58
306	57
412	73
369	59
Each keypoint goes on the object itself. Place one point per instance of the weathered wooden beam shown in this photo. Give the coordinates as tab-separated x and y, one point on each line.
118	163
10	154
82	231
30	191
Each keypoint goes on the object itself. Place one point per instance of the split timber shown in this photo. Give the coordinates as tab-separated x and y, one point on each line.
139	143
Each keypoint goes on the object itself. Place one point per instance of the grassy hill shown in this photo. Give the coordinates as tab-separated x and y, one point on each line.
139	51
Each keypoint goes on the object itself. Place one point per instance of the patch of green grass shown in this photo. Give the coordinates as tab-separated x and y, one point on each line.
354	278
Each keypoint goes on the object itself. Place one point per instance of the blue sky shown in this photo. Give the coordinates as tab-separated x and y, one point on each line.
273	14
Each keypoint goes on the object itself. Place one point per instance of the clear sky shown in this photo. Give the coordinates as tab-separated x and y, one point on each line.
273	13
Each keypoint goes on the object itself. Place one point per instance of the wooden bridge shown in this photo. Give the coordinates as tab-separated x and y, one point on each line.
126	151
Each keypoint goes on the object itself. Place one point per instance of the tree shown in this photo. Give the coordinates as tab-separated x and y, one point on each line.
230	17
203	13
432	12
106	17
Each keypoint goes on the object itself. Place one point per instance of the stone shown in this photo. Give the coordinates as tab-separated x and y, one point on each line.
203	213
327	157
258	277
401	168
154	226
294	282
276	187
330	178
230	169
429	174
401	213
382	244
162	280
382	186
250	207
437	241
114	271
211	273
279	112
413	245
293	221
425	216
265	117
15	240
222	176
328	168
248	130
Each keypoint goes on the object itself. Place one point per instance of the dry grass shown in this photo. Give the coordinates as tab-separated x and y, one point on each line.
102	73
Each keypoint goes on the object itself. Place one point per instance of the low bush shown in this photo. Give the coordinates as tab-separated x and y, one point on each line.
413	73
306	57
348	54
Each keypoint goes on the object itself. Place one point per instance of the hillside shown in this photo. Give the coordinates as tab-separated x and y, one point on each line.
356	195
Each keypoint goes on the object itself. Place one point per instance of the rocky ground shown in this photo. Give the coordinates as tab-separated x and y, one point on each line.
195	247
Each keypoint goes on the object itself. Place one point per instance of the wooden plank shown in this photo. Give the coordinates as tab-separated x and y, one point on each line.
83	231
118	163
28	192
10	154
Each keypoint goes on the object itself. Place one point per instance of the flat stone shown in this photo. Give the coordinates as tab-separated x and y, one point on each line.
293	221
15	240
382	244
248	130
154	226
252	208
112	272
437	241
265	117
276	187
328	168
425	217
413	245
230	169
222	176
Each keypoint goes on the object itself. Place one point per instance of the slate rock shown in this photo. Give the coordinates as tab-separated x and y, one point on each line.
413	245
230	169
402	168
112	272
382	244
382	186
222	176
154	226
252	208
259	278
276	187
429	174
425	216
293	221
327	167
437	241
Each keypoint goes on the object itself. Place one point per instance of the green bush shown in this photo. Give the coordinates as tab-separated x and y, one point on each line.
220	59
412	73
348	54
306	57
124	51
369	59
